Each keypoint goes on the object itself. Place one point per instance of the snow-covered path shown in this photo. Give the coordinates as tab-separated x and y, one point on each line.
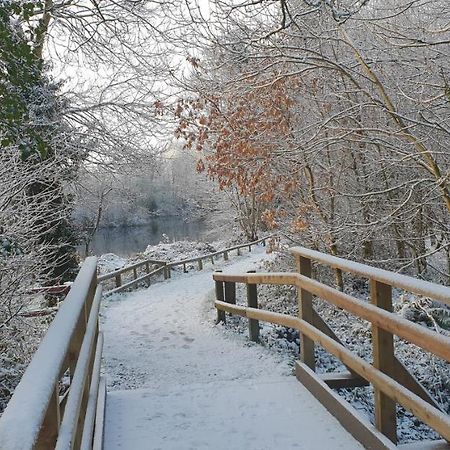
176	381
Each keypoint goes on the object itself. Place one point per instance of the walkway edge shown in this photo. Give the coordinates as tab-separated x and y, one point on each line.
362	430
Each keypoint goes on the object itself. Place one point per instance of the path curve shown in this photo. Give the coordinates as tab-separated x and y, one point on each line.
177	381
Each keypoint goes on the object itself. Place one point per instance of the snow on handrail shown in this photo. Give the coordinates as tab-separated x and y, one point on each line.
164	266
219	252
22	419
70	419
410	284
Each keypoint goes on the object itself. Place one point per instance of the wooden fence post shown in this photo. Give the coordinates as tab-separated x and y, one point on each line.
249	248
200	264
135	273
50	427
184	268
230	292
384	360
305	312
118	280
252	302
220	297
147	267
212	259
225	256
166	272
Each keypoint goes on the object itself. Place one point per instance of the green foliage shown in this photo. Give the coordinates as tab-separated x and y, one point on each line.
31	127
20	76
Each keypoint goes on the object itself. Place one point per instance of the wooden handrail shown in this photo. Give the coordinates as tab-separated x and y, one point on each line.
410	284
109	275
35	413
136	281
165	266
432	416
217	253
416	334
381	318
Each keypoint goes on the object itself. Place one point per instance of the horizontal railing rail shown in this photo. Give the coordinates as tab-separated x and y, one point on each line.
41	416
138	280
129	268
165	267
410	284
392	382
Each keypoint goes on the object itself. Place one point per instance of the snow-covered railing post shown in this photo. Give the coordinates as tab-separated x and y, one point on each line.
383	359
220	297
252	302
305	312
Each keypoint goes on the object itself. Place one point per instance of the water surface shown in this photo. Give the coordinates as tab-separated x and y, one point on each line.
126	241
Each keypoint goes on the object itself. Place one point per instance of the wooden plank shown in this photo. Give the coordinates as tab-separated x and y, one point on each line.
89	422
321	325
305	312
383	359
48	433
362	430
100	416
425	445
340	380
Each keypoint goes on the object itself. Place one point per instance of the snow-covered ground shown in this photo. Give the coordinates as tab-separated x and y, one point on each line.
177	381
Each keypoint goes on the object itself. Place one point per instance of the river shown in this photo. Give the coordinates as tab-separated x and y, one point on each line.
126	241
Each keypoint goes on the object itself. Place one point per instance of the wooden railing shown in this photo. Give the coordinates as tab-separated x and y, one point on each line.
391	381
161	267
165	267
42	413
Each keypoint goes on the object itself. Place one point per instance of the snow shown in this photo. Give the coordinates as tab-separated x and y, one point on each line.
178	250
177	381
235	414
22	417
109	262
431	371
